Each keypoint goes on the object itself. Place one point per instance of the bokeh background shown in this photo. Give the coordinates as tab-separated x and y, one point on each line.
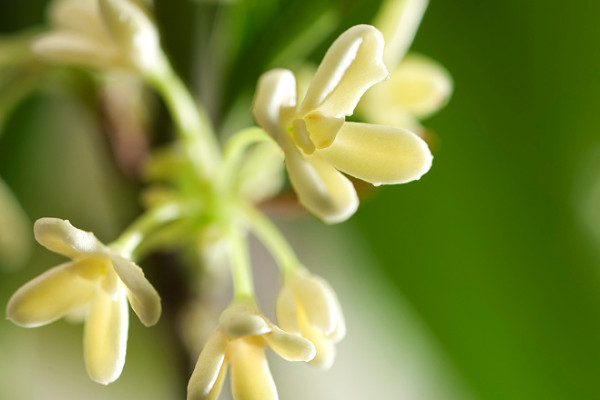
480	281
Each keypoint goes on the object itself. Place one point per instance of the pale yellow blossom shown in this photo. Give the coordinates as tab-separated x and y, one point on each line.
418	86
101	34
308	306
97	279
240	340
317	141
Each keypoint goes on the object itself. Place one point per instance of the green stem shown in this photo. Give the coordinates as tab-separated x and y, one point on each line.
234	150
243	285
193	123
272	238
132	237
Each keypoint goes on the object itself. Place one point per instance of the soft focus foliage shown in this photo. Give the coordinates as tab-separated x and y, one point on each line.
493	250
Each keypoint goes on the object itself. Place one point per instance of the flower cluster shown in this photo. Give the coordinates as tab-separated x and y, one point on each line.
200	190
239	341
317	141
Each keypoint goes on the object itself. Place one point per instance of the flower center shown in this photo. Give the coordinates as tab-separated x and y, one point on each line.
314	131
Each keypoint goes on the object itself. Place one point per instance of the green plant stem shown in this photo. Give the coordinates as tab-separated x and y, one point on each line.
132	237
234	150
243	285
193	123
272	238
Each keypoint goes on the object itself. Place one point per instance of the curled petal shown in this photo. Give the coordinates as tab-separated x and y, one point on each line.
72	48
324	346
105	336
317	301
398	20
49	296
379	154
275	92
250	375
142	296
241	319
288	346
81	16
352	64
322	128
340	329
377	110
218	386
320	187
248	325
287	310
132	29
419	85
210	370
61	237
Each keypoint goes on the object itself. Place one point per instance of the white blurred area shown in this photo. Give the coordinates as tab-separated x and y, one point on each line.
388	352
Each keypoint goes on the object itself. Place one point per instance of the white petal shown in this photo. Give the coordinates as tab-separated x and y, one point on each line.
325	347
105	336
78	16
135	33
320	187
286	310
288	346
317	300
143	298
322	128
352	64
218	386
61	237
419	85
241	319
275	94
49	296
379	154
250	375
207	378
377	110
399	20
340	330
72	48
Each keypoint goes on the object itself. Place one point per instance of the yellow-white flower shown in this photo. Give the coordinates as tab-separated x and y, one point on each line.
97	279
418	86
318	142
307	305
239	341
101	34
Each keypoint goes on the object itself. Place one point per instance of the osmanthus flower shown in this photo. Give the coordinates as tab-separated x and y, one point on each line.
240	340
308	306
418	86
319	144
97	279
101	34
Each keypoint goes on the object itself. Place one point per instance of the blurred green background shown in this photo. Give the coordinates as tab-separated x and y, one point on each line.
496	250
